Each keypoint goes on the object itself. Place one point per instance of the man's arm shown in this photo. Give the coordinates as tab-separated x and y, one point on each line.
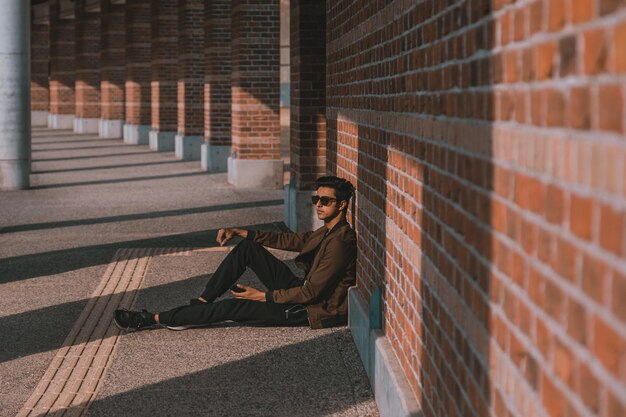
331	268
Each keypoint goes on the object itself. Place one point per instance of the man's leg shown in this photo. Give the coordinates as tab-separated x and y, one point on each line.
272	272
242	311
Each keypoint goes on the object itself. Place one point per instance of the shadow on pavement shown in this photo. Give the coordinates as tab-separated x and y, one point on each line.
100	167
109	155
137	216
56	262
45	329
117	181
277	382
79	148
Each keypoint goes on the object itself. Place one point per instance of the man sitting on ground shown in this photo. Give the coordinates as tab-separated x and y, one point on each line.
327	255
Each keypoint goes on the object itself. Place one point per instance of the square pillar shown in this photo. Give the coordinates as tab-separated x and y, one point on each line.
164	87
255	129
138	72
112	69
87	68
308	111
190	79
39	61
62	67
217	105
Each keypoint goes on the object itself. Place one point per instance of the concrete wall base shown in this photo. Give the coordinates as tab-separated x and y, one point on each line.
39	118
257	173
187	148
61	121
137	134
82	125
214	158
161	141
110	128
391	387
14	175
300	214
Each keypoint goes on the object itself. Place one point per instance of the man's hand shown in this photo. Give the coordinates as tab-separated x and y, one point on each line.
226	234
249	293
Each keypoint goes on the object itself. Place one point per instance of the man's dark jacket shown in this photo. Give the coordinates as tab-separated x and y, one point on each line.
329	262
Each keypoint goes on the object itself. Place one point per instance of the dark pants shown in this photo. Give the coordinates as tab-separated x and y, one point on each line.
273	273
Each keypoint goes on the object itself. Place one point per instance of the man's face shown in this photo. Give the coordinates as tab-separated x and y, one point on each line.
332	207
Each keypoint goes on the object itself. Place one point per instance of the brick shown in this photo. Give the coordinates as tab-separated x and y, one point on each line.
609	346
593	278
545	55
616	406
555	204
595	52
618	294
555	104
612	224
581	216
556	13
568	56
579	108
577	322
563	363
609	6
618	50
582	11
551	398
611	110
589	388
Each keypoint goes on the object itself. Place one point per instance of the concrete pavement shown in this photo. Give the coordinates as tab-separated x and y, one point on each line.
64	264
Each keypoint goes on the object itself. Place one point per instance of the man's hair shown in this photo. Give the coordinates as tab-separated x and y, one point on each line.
344	190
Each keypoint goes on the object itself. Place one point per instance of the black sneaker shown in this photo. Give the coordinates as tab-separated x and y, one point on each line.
134	320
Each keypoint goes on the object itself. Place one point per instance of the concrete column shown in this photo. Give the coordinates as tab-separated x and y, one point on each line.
190	79
217	105
87	67
112	68
308	111
14	95
164	87
255	161
39	59
138	72
62	67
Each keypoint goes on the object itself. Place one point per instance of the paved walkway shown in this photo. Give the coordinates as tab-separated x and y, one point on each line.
108	224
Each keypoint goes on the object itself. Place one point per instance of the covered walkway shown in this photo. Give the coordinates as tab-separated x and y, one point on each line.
106	224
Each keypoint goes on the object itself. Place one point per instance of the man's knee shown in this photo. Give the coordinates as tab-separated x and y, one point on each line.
246	245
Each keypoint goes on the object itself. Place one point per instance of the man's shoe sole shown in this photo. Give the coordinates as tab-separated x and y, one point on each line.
188	326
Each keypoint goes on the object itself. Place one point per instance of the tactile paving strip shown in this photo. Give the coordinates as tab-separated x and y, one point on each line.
72	380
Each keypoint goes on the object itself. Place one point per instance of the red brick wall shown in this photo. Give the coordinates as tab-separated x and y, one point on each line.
87	42
308	91
112	60
138	62
217	104
256	79
61	63
39	56
490	159
164	52
191	67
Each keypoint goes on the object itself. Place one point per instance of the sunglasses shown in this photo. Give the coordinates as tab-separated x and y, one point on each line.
324	200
